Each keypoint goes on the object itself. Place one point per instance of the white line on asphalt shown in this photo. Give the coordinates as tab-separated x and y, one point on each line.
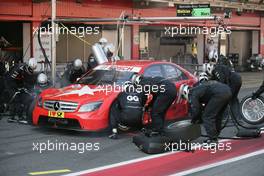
120	164
127	162
191	171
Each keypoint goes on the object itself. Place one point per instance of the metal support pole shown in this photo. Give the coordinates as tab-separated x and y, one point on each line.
53	42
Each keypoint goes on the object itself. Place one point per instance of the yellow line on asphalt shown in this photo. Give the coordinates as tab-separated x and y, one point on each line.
49	172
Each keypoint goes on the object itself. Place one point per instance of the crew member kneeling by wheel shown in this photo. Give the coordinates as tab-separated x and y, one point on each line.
127	109
164	94
215	96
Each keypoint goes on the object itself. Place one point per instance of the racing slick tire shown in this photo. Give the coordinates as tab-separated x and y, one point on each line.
30	111
153	144
252	111
182	130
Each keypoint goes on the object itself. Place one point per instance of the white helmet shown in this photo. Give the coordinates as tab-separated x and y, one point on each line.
208	68
184	91
213	56
136	78
42	79
32	63
77	64
203	77
103	41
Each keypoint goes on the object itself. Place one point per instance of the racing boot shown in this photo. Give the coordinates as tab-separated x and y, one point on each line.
123	127
12	119
210	143
114	134
22	121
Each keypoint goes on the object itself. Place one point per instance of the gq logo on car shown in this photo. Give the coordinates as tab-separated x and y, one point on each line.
132	98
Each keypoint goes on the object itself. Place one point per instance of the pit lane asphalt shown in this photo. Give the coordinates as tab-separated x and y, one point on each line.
17	157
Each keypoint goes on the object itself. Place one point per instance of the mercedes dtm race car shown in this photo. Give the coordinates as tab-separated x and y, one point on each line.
86	104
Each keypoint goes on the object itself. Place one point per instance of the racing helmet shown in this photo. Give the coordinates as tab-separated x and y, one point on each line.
214	59
77	64
42	80
32	63
103	41
208	68
203	77
184	91
136	78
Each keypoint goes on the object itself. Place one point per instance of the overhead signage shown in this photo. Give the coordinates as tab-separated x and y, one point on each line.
193	10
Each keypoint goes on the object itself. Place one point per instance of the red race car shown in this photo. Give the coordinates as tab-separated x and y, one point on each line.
86	104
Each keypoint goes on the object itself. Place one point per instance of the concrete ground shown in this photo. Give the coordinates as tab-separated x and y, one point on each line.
252	79
18	156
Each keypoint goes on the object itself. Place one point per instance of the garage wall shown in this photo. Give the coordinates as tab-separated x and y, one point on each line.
255	42
200	48
240	42
111	36
161	52
26	41
69	47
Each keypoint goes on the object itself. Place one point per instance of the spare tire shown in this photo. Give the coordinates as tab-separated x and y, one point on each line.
252	111
182	130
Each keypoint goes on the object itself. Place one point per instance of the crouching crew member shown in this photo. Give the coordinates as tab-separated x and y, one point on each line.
127	109
207	104
164	94
74	71
225	75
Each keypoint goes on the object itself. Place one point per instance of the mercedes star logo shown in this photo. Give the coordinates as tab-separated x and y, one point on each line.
56	106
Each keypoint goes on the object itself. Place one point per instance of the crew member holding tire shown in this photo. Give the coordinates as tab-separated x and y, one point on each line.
215	96
225	75
164	93
127	109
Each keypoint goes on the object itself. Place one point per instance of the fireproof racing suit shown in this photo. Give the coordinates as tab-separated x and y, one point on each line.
127	109
16	78
223	74
70	75
164	93
215	96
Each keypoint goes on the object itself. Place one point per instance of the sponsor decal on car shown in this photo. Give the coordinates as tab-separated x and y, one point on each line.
118	68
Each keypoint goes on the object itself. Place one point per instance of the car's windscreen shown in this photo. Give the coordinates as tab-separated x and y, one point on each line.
104	77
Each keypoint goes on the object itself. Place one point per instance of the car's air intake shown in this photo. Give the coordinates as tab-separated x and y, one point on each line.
60	106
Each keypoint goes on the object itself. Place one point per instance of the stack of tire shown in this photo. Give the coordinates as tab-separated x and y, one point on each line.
177	132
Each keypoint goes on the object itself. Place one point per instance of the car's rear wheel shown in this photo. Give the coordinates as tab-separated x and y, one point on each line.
252	111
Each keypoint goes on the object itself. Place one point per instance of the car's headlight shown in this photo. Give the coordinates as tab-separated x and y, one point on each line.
40	101
90	106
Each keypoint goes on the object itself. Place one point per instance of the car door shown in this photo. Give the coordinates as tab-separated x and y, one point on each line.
178	77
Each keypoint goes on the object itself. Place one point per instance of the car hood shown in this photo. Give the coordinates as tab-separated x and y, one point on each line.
78	93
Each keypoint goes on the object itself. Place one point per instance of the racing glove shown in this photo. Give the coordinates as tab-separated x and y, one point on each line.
114	134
